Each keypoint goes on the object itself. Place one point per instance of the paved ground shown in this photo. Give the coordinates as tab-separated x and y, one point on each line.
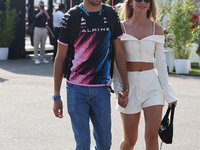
27	121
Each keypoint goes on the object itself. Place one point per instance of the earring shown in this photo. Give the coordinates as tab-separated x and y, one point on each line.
131	7
149	8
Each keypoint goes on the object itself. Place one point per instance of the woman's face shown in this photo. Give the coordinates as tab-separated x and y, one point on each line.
140	6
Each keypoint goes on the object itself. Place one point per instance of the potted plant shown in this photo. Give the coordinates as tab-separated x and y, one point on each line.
180	27
8	19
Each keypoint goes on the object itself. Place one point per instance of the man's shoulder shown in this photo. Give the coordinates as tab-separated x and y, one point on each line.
109	9
72	13
74	10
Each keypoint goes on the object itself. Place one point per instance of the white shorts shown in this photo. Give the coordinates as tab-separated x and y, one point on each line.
145	91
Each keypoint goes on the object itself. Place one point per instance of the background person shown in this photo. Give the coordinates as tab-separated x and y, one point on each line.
57	18
26	19
142	37
165	20
40	16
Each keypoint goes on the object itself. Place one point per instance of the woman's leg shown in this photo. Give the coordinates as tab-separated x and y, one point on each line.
152	115
130	124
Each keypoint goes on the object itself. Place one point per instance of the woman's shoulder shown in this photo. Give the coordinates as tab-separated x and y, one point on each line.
158	29
124	25
123	22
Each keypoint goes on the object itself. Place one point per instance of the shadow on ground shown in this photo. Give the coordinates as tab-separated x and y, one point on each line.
27	67
3	80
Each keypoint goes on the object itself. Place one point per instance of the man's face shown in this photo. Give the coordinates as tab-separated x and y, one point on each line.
41	6
94	2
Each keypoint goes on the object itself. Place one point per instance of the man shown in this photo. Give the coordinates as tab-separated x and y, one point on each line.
57	18
88	95
40	33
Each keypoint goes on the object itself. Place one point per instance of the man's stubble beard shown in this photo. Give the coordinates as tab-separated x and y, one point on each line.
94	4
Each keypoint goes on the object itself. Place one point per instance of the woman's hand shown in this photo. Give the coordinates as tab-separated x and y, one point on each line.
123	98
170	104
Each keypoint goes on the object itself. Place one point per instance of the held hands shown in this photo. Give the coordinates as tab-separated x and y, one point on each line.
58	108
123	98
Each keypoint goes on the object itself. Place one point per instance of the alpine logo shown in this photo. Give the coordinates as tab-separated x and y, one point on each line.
83	23
82	19
96	30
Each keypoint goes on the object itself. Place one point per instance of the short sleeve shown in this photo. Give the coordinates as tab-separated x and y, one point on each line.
64	30
117	32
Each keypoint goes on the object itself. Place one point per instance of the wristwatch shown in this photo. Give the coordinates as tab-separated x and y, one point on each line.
56	97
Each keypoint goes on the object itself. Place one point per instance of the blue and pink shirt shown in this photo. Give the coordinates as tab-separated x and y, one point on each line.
91	66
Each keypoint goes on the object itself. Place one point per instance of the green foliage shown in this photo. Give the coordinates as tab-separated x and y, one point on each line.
180	27
8	19
198	7
163	8
117	8
108	2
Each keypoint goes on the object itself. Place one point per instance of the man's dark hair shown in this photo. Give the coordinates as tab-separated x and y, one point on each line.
61	7
41	2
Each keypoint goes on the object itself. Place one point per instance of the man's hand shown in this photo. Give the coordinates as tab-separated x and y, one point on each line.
41	11
45	12
123	98
58	108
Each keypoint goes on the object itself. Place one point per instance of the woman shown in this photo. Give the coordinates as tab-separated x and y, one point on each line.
142	38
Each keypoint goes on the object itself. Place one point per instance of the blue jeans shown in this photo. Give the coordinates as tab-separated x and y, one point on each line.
85	103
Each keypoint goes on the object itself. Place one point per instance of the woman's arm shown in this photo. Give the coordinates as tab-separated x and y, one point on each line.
161	68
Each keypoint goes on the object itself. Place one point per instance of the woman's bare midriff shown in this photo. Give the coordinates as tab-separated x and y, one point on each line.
139	66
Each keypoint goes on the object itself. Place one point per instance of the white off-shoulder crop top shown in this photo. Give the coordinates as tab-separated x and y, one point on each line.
143	51
140	50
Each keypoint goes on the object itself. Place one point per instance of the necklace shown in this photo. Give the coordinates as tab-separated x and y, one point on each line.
138	26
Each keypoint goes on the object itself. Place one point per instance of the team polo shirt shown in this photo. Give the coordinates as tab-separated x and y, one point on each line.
91	66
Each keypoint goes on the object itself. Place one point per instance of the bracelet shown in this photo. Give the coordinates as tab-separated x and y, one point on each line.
126	90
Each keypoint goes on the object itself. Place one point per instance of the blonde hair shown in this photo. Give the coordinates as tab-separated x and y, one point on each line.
128	11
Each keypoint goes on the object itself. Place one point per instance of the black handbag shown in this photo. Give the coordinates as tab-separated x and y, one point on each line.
31	28
166	127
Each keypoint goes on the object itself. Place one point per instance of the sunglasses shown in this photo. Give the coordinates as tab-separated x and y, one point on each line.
42	7
146	1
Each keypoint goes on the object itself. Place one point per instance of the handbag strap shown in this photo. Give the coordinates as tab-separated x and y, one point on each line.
167	113
172	114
